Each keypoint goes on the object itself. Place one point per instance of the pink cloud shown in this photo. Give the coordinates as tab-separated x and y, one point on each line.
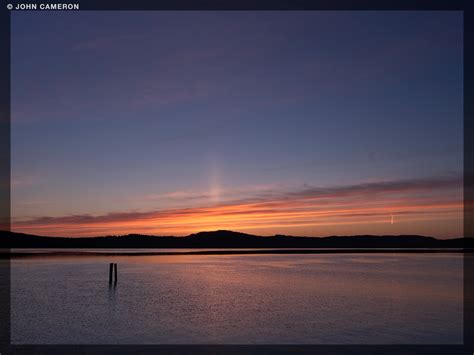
370	203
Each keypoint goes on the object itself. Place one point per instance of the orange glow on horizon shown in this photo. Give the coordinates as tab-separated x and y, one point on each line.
266	217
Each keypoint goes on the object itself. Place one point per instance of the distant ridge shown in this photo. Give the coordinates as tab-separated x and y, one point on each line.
230	239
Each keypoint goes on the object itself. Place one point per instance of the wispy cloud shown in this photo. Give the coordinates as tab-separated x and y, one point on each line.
370	203
187	196
22	180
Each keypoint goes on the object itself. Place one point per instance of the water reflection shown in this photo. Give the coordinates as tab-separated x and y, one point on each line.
262	299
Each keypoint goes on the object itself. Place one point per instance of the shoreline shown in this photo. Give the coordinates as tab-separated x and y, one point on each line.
79	253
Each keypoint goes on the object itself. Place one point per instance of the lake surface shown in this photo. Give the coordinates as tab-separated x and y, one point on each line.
386	298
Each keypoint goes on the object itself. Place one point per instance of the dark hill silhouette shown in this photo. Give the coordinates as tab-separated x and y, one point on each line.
230	239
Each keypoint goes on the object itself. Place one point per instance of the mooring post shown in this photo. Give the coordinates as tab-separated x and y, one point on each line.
115	273
110	273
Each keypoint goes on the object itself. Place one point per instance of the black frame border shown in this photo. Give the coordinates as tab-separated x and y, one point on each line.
466	6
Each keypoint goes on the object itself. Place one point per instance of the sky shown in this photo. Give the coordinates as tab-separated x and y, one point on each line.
301	123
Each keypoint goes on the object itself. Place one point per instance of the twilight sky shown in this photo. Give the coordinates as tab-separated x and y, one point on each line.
303	123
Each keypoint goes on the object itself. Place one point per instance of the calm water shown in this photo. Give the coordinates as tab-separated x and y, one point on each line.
235	299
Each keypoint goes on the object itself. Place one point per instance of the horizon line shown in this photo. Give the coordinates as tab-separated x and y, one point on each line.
236	232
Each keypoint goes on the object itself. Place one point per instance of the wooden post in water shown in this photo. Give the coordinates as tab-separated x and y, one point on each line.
115	273
110	273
